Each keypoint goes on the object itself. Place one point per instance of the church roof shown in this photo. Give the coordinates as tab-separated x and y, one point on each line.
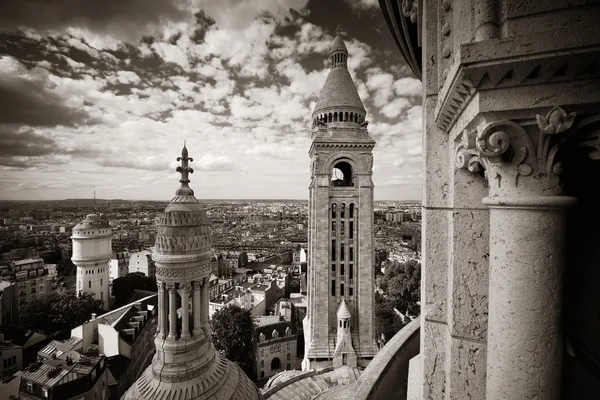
92	221
339	89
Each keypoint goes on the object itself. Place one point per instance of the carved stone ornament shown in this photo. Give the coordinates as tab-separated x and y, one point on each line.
182	273
514	164
409	9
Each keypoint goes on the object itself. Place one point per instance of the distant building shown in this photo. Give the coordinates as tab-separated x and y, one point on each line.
119	265
32	280
92	250
141	261
275	342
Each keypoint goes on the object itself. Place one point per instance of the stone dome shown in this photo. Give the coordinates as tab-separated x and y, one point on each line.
92	221
339	96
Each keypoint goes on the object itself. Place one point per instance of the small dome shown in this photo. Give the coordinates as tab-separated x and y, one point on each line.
92	221
338	45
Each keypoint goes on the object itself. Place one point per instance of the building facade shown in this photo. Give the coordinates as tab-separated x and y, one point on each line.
275	343
92	251
341	239
141	261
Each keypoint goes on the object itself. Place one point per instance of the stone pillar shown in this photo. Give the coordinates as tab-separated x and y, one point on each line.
204	300
162	322
185	310
172	311
525	341
527	251
196	307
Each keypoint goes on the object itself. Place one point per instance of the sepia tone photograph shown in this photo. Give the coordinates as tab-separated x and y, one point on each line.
299	200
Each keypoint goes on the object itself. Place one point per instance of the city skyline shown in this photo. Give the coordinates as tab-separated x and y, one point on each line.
100	103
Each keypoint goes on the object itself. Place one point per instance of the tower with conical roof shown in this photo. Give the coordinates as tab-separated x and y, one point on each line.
92	250
186	364
341	241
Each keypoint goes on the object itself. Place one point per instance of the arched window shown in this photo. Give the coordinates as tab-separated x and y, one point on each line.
289	366
342	210
262	363
288	356
275	334
275	363
330	117
346	118
341	174
351	117
351	210
335	117
333	208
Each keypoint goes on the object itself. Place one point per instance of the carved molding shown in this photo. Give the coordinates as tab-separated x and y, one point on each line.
182	273
470	77
181	243
182	218
514	163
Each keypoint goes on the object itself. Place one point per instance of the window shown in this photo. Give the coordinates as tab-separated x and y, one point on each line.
342	228
342	269
288	356
333	250
262	374
100	281
351	253
101	295
342	253
351	270
262	363
341	289
89	284
350	291
333	268
342	210
275	363
289	366
351	230
29	387
333	206
333	287
351	210
333	226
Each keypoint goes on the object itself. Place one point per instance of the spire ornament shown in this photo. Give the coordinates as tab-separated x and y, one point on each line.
184	170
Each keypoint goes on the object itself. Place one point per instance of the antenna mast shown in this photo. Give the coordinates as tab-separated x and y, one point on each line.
94	200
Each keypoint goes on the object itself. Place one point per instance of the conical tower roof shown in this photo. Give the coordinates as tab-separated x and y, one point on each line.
339	90
343	311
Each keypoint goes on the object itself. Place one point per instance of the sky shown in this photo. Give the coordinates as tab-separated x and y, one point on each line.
100	95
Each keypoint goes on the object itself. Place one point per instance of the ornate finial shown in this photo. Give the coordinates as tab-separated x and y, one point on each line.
184	170
339	31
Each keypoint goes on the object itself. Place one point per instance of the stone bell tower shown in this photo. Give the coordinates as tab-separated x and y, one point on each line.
186	364
341	242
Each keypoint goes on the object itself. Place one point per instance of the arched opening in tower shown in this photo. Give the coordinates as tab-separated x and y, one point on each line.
341	174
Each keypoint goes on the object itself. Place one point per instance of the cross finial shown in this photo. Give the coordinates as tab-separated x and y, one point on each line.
184	170
339	30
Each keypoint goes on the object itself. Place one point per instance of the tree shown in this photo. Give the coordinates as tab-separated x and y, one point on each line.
387	322
401	284
232	335
123	287
58	313
66	267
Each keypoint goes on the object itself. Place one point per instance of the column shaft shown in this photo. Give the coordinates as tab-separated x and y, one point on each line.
204	300
161	326
172	312
527	257
185	311
196	307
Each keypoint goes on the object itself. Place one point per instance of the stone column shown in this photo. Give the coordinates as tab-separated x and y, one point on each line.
527	252
525	341
172	311
161	326
204	306
196	307
185	310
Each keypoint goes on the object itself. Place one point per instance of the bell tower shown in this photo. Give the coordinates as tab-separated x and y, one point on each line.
341	241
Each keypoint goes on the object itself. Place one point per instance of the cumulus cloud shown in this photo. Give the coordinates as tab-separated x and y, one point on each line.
408	87
275	150
395	107
210	162
380	84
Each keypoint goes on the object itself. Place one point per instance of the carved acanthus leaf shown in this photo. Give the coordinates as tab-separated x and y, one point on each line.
409	9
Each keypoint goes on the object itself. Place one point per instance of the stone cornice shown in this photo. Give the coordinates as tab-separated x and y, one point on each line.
520	162
504	63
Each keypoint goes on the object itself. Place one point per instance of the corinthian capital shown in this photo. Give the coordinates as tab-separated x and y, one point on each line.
521	159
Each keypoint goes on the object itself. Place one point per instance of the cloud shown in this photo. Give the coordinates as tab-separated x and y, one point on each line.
394	108
210	162
27	97
151	163
380	84
362	4
126	20
275	150
238	14
408	87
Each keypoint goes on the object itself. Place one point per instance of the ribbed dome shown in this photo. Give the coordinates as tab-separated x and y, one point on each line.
92	221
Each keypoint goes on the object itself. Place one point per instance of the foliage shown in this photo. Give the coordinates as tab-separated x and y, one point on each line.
55	313
401	284
381	255
123	287
65	267
387	321
232	335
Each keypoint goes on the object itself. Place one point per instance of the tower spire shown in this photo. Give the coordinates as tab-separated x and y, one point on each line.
94	200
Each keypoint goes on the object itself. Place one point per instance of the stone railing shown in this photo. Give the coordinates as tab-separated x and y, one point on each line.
386	377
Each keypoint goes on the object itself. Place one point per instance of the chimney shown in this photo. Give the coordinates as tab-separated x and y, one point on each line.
94	315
